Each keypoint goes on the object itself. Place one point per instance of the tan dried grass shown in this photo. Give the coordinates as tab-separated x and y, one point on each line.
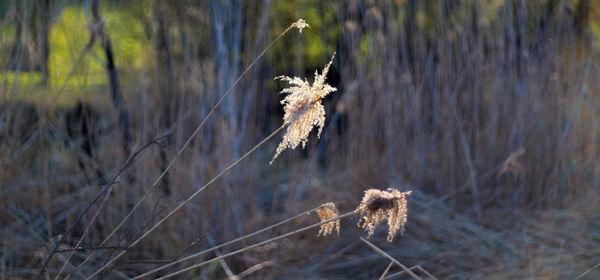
303	108
379	205
326	212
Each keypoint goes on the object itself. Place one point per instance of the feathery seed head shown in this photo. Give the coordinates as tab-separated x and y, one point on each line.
303	108
379	205
300	24
326	212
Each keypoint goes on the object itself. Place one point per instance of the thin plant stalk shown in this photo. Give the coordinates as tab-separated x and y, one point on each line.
394	275
108	192
385	272
225	244
588	271
222	262
104	190
83	235
426	272
190	198
262	243
383	253
189	140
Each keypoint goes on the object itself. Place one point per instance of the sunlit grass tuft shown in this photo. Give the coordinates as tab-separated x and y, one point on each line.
303	108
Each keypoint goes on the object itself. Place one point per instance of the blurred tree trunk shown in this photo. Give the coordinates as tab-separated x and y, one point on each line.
581	18
17	48
409	28
30	49
166	81
115	89
580	22
226	26
44	35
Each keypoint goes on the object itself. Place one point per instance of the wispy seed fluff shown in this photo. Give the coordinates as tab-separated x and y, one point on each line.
379	205
303	108
326	212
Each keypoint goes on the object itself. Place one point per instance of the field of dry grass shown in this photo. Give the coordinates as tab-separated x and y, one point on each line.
183	160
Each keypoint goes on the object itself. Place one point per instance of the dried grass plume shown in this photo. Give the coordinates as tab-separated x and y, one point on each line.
379	205
326	212
303	108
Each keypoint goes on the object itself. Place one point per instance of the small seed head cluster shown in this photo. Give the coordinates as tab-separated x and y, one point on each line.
378	206
303	108
300	24
326	212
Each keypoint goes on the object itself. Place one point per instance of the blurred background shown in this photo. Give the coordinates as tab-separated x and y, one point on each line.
486	109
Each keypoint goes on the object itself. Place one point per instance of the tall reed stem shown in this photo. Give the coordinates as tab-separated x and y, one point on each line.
189	140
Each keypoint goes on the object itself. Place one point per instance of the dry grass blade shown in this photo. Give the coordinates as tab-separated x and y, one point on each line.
254	268
392	276
303	108
224	244
255	245
385	272
378	205
326	212
230	274
588	271
383	253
